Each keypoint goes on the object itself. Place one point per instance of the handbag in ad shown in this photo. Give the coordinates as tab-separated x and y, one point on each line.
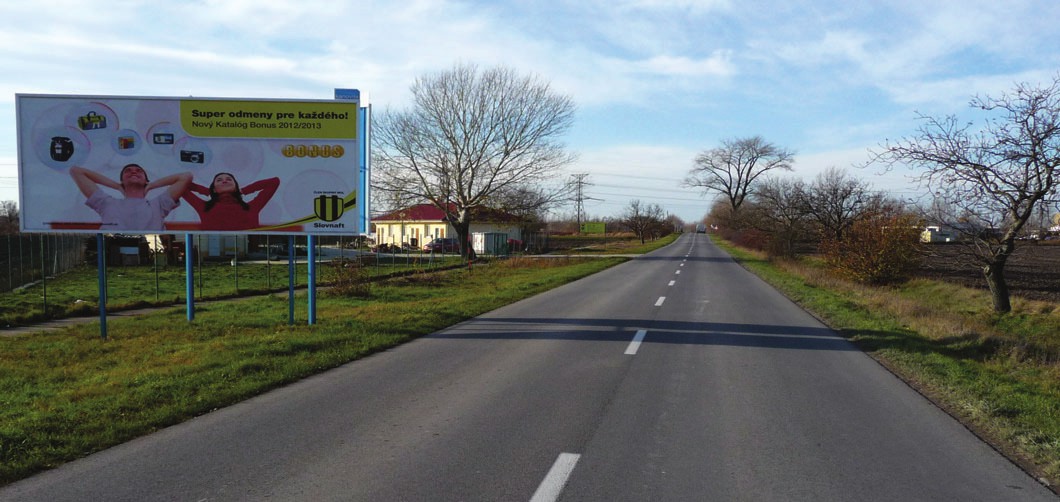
61	149
92	121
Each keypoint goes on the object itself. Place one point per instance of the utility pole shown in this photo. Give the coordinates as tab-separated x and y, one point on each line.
579	198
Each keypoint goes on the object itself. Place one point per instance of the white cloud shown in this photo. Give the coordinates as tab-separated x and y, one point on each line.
833	47
382	46
855	161
823	76
921	53
952	95
719	64
693	5
664	162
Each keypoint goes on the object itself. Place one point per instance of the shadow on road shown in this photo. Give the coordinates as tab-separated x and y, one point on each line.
670	332
701	259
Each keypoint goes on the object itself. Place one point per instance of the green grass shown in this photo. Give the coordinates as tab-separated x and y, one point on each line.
77	292
65	394
624	244
999	374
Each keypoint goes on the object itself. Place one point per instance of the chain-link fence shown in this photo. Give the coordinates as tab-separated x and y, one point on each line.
27	258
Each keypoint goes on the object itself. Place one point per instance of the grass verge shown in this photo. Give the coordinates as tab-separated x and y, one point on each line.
617	245
65	394
76	292
998	374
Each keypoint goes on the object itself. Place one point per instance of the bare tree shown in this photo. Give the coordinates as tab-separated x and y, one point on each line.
9	217
992	177
675	223
777	210
529	204
472	137
733	168
644	219
834	200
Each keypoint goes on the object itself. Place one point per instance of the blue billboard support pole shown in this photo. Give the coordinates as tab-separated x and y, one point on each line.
364	117
101	268
312	287
366	163
290	279
189	277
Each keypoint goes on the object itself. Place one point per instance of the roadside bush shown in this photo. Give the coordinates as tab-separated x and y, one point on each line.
750	238
881	247
348	278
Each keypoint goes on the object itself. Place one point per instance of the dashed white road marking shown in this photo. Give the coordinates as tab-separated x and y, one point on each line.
556	479
660	301
678	272
634	346
672	283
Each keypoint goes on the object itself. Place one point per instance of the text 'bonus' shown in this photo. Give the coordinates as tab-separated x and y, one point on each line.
313	151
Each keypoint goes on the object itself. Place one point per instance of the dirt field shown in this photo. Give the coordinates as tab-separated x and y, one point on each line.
1033	271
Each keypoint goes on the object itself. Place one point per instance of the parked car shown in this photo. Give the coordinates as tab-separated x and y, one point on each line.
442	245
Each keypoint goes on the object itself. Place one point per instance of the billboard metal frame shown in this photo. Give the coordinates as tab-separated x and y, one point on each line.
312	151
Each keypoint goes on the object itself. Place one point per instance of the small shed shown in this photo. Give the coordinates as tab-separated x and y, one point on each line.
489	243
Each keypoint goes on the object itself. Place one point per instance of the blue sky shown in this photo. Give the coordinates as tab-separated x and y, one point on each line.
655	81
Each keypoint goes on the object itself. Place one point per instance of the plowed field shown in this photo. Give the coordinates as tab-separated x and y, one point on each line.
1033	272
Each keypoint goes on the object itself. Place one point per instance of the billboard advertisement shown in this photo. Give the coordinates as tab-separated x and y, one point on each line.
593	227
139	165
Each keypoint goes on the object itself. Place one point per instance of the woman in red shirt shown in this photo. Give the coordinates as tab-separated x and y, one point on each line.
226	209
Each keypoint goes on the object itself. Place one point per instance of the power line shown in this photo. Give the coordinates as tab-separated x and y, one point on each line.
641	188
653	178
653	197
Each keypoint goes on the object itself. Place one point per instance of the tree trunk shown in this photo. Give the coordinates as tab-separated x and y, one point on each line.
995	280
463	234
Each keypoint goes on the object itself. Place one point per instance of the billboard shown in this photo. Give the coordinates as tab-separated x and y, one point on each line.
593	227
144	165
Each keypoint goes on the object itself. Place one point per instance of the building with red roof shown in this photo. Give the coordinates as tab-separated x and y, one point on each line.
419	224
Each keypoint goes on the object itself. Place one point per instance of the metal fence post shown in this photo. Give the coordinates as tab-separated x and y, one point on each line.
44	274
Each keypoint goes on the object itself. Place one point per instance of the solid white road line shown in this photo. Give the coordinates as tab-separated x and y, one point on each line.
660	302
556	479
634	346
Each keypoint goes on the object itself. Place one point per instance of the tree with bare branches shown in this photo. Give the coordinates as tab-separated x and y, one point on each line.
474	138
733	168
9	217
644	219
990	178
776	209
834	201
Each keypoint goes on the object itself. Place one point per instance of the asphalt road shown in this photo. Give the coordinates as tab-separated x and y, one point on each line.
675	376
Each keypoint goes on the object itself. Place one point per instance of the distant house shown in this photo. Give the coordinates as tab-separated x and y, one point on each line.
419	224
936	233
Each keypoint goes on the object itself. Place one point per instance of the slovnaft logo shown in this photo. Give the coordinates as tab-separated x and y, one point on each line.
328	207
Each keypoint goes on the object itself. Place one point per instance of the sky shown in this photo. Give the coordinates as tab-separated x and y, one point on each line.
655	82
